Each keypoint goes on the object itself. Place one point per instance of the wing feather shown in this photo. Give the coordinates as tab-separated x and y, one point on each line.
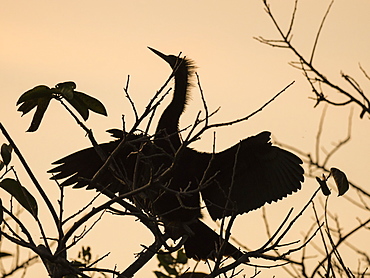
82	165
262	174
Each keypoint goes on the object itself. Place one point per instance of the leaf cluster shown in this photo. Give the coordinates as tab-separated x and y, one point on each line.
40	96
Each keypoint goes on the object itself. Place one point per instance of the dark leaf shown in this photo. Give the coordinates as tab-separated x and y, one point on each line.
181	257
67	84
4	254
21	194
40	91
2	164
42	105
167	261
66	89
6	153
27	106
92	103
324	186
80	106
340	180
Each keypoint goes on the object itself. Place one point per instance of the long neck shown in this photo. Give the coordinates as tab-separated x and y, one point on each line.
169	121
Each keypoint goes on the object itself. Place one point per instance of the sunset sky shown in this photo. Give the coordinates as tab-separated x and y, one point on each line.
97	44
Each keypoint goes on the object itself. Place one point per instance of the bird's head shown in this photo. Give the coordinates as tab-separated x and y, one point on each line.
172	60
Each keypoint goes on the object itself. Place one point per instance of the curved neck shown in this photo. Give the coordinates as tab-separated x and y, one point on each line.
169	121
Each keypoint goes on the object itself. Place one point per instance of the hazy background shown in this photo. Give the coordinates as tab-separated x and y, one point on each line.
97	44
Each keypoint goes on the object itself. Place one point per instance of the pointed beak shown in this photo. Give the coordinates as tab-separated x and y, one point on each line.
160	54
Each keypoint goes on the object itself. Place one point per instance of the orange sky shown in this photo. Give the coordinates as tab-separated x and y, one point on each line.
97	44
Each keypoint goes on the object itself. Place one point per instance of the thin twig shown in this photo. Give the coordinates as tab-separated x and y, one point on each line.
319	31
197	135
130	99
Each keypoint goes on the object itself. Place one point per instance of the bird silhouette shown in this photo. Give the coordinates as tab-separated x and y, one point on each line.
237	180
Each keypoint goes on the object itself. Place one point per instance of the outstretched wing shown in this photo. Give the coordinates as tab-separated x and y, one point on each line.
81	166
249	175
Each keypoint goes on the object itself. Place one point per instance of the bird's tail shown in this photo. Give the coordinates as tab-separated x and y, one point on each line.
204	243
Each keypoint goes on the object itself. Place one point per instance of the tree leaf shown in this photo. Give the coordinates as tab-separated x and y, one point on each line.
66	89
181	257
40	91
2	164
92	103
167	261
21	194
324	186
27	106
79	105
340	180
6	153
42	105
66	85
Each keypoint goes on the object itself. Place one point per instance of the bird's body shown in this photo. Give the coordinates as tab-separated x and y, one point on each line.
237	180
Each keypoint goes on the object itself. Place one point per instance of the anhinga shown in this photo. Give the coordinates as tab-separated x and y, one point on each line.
237	180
